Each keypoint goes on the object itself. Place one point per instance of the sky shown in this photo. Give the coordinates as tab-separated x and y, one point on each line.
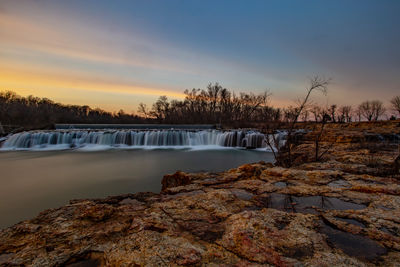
116	54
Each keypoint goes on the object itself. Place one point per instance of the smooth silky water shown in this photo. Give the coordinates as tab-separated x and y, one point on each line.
32	181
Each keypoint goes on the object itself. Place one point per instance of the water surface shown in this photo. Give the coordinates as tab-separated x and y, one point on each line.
32	181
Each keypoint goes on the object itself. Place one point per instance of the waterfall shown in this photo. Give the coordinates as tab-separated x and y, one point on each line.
67	139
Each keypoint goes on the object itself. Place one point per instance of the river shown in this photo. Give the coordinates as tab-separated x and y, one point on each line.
32	181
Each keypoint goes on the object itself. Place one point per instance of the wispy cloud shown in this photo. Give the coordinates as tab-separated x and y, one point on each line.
86	45
157	48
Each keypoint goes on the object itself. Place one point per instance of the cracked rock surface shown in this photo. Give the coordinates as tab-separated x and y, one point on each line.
338	212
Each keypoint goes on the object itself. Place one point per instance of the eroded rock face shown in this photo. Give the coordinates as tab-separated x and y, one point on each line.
331	213
177	179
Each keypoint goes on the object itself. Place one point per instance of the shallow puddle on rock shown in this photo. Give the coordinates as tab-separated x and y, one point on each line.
388	231
351	221
339	184
368	182
305	204
353	245
280	184
278	201
85	263
383	207
130	201
242	194
189	193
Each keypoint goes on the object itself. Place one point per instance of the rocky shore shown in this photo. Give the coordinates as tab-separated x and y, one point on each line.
341	211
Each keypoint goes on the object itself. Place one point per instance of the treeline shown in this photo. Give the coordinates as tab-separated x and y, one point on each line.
216	104
370	110
213	105
35	112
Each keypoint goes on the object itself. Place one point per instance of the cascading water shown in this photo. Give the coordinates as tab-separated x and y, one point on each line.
65	139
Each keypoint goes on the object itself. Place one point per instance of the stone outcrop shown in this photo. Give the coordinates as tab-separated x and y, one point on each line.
173	180
344	211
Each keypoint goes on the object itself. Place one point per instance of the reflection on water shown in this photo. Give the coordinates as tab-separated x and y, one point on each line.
33	181
305	204
353	245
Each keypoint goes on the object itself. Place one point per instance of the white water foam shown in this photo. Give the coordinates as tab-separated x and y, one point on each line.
87	140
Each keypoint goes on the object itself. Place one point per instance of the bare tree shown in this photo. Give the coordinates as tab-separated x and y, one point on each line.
395	104
316	84
143	110
304	115
371	110
345	114
317	148
317	113
332	112
161	108
378	108
358	114
283	155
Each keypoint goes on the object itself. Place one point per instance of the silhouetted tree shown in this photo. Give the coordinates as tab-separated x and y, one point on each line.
345	114
283	155
160	108
371	110
143	110
317	113
395	104
332	111
304	115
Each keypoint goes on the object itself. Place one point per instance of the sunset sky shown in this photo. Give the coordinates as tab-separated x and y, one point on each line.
115	54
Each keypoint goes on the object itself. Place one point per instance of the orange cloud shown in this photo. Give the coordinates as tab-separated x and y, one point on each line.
83	45
12	79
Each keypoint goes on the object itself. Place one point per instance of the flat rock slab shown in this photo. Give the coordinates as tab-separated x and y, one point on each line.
332	213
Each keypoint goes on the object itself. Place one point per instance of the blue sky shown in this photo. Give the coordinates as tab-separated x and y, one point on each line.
115	54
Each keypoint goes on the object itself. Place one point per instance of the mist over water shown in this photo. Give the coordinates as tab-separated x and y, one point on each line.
32	181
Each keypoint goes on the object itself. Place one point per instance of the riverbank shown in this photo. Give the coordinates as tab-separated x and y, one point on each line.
343	210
